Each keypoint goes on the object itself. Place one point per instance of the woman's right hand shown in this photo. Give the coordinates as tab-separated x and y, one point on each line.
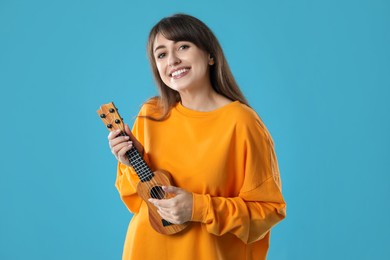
119	144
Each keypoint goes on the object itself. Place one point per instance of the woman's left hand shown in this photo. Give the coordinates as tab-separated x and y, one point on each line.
176	210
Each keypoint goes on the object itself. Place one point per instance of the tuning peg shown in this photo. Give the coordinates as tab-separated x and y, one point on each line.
102	115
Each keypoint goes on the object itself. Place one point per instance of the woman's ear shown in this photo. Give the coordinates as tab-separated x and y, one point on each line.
211	60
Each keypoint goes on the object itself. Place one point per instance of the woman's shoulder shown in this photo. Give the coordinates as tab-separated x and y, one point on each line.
243	113
150	108
248	120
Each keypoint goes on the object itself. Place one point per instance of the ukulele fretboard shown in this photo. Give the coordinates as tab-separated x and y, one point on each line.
139	165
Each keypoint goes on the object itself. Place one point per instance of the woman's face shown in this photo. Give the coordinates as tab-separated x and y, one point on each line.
182	65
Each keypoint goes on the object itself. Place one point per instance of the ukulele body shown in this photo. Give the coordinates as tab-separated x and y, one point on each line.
152	189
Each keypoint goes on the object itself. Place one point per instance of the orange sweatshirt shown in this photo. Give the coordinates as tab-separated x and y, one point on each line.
226	159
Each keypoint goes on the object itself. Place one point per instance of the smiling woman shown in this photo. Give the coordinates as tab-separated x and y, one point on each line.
221	157
183	67
188	32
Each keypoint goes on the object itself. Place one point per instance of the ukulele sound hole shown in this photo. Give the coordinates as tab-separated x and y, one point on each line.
157	192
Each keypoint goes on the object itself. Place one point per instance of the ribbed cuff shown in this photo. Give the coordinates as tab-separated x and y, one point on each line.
199	207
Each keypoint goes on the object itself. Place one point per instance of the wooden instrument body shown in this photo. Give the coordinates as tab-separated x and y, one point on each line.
152	189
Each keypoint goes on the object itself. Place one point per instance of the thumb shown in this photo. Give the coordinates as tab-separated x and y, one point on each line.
128	132
134	140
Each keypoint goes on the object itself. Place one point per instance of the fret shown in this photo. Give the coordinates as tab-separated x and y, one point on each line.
139	165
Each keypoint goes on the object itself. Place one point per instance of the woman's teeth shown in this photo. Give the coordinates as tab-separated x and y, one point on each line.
179	72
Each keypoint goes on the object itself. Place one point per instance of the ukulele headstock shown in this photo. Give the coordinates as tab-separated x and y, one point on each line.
108	113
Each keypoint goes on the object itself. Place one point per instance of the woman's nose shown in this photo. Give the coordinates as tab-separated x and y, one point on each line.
173	60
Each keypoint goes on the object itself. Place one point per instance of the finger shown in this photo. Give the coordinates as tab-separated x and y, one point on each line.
155	202
124	148
118	140
131	135
120	150
113	134
128	132
171	216
137	144
167	203
171	189
166	216
122	157
161	204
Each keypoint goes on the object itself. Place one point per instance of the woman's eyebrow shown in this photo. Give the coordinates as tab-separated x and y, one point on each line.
159	47
163	46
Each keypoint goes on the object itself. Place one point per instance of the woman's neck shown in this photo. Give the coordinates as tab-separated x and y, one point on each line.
206	100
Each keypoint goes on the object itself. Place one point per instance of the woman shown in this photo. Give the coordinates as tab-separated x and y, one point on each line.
218	151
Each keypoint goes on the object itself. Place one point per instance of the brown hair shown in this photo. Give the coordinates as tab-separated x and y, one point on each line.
182	27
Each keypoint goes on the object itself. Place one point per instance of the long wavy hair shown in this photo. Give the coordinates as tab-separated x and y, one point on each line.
183	27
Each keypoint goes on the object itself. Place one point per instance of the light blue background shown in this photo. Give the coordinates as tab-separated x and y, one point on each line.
317	72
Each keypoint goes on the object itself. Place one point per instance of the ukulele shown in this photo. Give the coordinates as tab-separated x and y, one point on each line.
150	182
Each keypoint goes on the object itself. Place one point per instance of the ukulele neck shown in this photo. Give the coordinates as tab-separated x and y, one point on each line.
139	165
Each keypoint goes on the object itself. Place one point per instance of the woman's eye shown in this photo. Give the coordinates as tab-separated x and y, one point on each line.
161	55
183	47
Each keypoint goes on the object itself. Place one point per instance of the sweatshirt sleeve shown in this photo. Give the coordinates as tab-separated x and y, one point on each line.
126	184
259	205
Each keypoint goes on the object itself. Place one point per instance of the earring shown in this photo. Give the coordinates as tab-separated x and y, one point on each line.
211	61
